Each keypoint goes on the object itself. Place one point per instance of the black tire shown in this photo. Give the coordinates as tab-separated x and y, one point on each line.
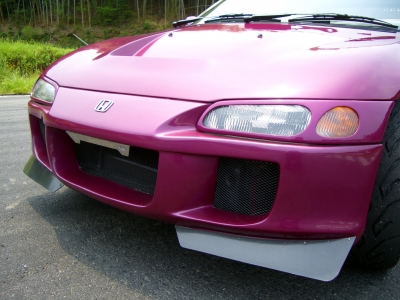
379	247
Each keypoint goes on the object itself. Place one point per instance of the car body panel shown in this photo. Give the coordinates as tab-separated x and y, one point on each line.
305	205
289	61
165	118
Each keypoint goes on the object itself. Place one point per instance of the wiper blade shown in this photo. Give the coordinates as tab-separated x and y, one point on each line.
341	17
255	18
212	19
228	17
184	22
231	16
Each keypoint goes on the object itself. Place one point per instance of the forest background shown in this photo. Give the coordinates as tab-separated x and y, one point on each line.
55	21
34	33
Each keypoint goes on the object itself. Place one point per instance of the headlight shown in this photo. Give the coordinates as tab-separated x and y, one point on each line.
43	91
279	120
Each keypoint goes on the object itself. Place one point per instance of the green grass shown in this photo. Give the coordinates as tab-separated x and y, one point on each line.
16	84
22	62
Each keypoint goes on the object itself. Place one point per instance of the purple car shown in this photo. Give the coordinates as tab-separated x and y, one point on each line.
268	132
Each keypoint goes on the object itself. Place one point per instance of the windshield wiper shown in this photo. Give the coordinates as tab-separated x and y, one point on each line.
340	17
255	18
228	17
212	19
275	18
184	22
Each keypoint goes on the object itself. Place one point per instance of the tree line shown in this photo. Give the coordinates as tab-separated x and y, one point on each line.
99	12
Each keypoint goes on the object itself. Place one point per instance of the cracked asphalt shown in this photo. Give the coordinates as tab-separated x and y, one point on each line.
65	245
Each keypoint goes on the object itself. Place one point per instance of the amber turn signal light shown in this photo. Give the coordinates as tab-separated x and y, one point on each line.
338	122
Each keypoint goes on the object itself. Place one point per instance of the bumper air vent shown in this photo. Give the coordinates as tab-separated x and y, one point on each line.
246	186
138	171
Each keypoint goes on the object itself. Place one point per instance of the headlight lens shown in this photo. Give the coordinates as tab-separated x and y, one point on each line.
340	121
44	91
279	120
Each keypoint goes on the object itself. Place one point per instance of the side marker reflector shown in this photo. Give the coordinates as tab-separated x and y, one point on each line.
339	122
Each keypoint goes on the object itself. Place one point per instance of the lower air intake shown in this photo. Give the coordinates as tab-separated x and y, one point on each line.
246	186
138	171
42	130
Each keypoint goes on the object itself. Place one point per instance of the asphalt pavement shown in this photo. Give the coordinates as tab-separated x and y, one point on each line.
65	245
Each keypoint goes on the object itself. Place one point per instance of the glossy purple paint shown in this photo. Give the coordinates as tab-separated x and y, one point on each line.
163	86
323	192
230	62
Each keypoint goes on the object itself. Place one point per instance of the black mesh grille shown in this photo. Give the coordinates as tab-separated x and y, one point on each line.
42	130
246	186
138	171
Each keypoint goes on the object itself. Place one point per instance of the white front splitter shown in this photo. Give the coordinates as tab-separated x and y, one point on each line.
317	259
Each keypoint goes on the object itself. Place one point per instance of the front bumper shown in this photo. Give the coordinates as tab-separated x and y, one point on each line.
323	191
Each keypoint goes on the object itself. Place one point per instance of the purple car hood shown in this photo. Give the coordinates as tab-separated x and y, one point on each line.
245	61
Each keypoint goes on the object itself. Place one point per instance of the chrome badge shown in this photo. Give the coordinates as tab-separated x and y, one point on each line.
103	105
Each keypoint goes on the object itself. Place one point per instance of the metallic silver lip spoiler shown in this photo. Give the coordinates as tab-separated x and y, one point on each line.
317	259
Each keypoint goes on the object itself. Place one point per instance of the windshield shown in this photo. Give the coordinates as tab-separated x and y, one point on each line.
387	10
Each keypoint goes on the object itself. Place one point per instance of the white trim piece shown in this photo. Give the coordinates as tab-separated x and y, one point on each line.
317	259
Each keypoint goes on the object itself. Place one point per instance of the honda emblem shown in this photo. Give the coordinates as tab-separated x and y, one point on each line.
103	105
